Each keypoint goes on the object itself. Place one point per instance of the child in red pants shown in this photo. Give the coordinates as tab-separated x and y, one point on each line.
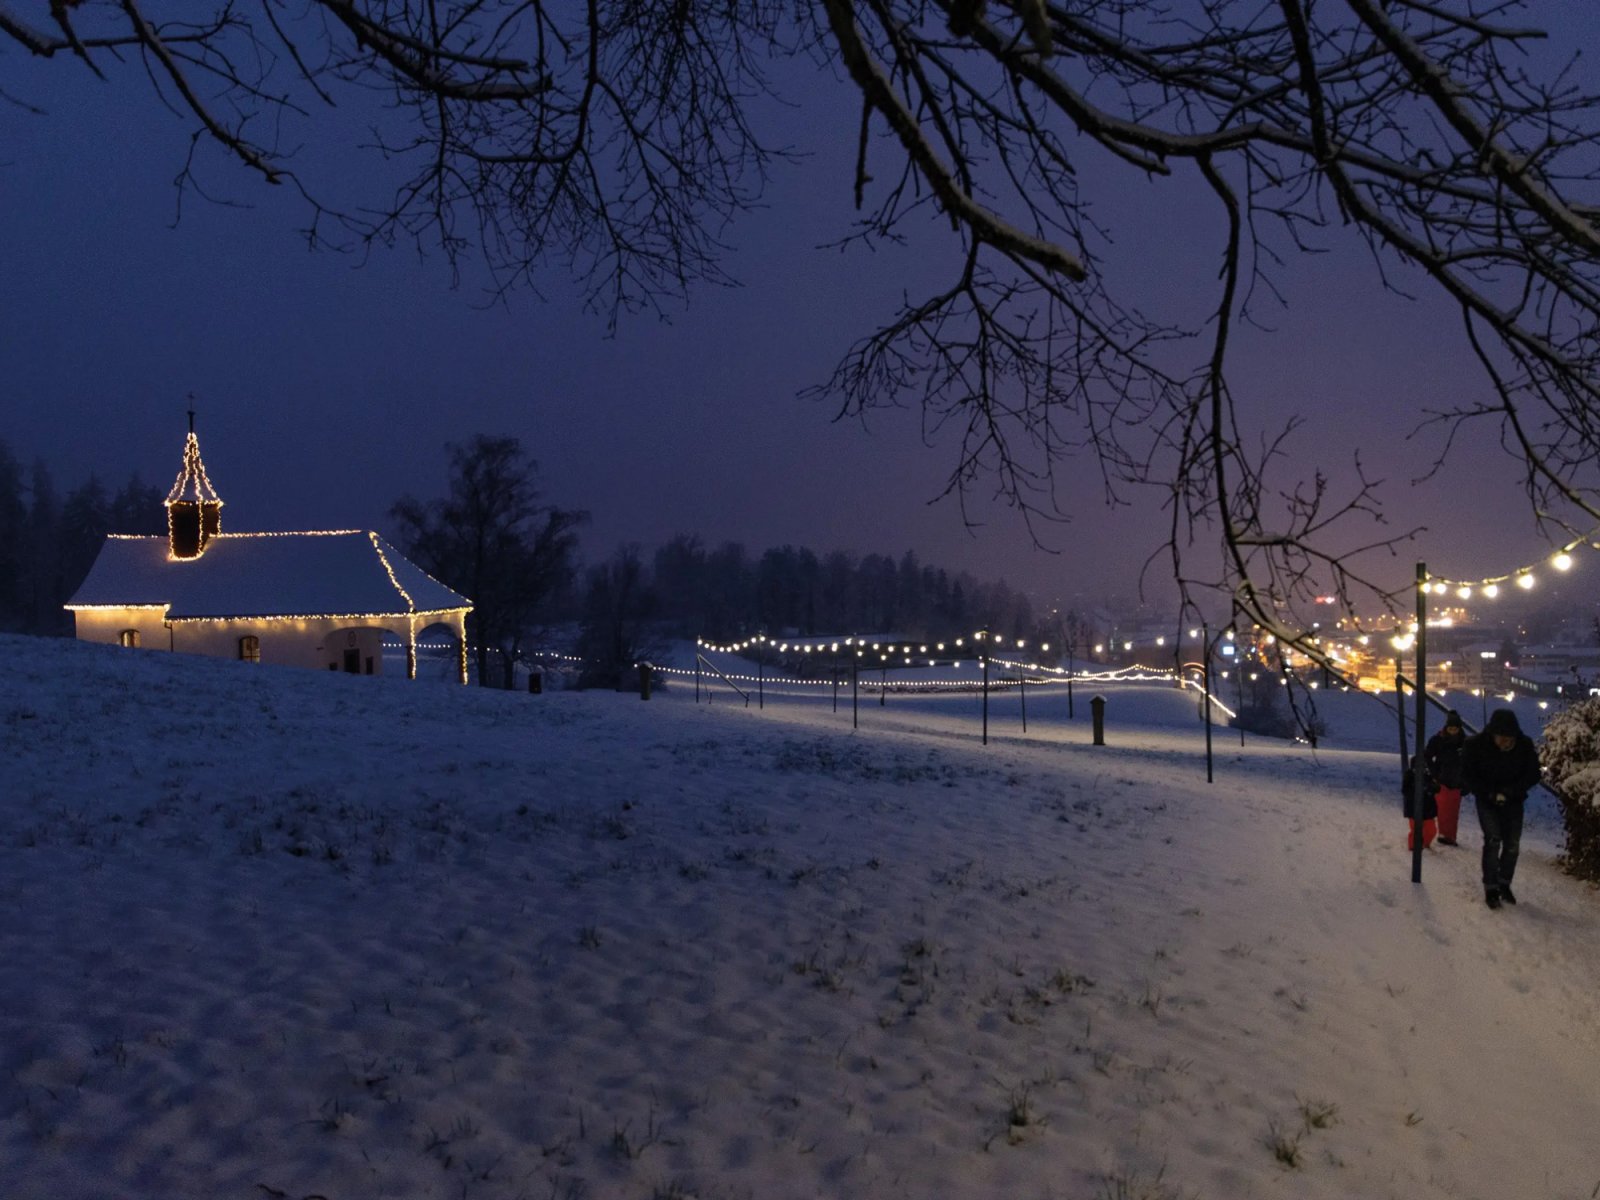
1430	808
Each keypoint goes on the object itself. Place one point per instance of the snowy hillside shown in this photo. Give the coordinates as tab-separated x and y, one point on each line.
274	933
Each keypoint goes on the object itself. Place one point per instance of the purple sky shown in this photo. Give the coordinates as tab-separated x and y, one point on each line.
326	388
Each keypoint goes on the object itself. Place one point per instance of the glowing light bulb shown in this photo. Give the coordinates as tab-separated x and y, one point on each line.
1491	590
1524	581
1562	561
1464	592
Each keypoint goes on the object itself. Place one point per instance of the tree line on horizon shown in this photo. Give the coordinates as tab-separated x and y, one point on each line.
49	539
495	540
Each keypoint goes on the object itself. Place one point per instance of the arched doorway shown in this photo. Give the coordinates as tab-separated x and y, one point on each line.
441	654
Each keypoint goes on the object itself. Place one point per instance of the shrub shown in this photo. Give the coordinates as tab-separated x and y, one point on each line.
1266	712
1267	720
1570	753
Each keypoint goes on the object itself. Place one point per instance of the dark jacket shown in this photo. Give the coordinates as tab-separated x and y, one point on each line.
1443	756
1488	771
1430	802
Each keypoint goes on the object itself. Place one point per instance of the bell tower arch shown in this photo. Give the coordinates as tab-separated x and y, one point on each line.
194	510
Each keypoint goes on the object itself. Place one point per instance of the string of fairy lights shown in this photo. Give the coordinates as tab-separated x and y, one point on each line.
234	537
882	652
1029	675
1525	578
192	477
973	645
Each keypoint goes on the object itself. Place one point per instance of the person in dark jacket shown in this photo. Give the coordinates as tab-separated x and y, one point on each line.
1443	756
1408	804
1499	767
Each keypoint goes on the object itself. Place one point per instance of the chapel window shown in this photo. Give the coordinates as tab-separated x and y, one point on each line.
250	649
128	637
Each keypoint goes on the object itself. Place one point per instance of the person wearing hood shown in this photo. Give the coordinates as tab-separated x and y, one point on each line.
1442	754
1499	767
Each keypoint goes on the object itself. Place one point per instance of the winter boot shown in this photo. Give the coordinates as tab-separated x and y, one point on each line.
1491	897
1505	894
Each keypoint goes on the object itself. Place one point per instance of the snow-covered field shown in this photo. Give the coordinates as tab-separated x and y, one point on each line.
281	934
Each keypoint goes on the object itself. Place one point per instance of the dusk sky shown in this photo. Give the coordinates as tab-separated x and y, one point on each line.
327	386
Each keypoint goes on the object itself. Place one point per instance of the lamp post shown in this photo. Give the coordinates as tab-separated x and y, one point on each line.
986	699
1419	732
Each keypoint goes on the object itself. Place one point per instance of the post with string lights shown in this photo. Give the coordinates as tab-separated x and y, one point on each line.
1205	675
1022	694
985	699
1419	785
1238	675
1400	704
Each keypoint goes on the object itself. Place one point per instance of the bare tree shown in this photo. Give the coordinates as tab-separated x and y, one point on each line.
618	136
618	630
492	540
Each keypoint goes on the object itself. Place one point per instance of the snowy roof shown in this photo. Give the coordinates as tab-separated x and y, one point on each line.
347	573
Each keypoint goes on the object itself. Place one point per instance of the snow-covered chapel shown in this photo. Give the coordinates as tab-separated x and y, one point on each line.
321	599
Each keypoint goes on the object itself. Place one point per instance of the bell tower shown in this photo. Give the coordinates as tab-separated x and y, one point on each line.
194	510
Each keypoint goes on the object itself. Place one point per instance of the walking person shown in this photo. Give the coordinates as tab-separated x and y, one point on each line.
1408	804
1443	757
1499	767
